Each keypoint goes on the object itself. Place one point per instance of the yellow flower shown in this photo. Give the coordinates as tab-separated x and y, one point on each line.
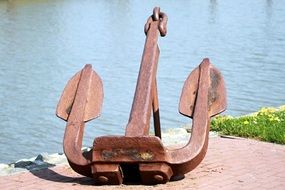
245	122
266	111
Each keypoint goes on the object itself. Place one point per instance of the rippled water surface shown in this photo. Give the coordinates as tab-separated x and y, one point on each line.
43	43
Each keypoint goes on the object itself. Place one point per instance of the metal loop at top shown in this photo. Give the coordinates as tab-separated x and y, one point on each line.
162	27
157	16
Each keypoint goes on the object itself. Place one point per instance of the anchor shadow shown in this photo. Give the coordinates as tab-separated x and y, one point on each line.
50	175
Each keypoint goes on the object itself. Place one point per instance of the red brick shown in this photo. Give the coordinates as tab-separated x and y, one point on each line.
229	164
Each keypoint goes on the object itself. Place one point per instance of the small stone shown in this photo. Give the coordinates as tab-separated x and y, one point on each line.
189	130
23	164
39	158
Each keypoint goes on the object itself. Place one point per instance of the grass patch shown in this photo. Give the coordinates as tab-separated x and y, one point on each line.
268	124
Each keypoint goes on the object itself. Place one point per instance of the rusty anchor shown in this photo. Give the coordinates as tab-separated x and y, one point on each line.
114	159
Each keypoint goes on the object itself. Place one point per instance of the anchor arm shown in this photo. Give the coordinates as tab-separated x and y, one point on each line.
80	102
209	100
72	144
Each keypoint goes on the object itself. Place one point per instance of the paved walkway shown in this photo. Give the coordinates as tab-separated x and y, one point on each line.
229	164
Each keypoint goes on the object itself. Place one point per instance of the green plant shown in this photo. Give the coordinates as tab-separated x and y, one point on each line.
268	124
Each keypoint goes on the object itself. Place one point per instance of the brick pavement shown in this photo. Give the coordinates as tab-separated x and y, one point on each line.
229	164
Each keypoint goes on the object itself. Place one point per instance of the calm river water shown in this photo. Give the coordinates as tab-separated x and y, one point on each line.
43	43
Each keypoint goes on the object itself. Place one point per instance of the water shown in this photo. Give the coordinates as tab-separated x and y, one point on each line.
43	43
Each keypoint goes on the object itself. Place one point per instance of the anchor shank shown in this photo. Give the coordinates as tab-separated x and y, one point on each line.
139	119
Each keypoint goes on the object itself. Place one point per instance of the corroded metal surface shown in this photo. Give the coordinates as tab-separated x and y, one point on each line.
138	156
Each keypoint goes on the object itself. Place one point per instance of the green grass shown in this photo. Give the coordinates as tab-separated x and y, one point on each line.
268	124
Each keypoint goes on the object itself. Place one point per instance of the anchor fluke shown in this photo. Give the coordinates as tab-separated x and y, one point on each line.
80	102
216	93
94	94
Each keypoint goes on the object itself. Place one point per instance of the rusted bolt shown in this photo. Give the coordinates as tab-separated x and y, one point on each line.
103	179
158	178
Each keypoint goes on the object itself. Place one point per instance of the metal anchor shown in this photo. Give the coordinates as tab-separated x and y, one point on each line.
114	159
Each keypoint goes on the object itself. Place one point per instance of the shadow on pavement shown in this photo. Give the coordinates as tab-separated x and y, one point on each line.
50	175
